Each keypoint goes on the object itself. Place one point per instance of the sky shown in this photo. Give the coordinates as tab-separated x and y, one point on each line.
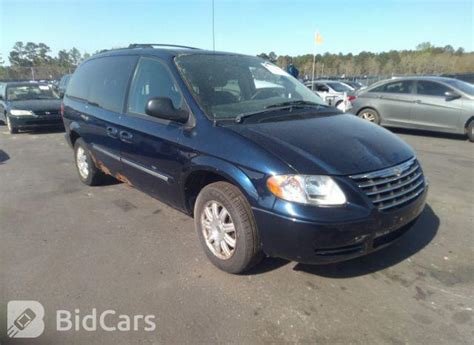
245	26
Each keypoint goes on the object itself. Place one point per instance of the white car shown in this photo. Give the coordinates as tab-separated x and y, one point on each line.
332	92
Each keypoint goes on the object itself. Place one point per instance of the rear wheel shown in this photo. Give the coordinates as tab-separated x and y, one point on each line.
370	115
226	228
86	169
470	131
12	129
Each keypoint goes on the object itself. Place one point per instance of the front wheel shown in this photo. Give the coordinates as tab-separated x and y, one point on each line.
226	228
370	115
11	128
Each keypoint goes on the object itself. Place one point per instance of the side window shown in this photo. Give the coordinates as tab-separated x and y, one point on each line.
430	88
322	88
108	85
152	79
79	85
402	86
380	88
103	81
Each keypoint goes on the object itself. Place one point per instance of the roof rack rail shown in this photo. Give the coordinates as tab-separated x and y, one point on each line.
151	45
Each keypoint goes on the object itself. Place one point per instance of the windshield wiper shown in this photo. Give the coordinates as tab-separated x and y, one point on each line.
282	106
294	103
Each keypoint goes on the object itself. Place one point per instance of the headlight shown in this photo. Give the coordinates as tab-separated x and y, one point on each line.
17	112
307	189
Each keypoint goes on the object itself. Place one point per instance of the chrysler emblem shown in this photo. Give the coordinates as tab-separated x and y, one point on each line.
47	112
397	171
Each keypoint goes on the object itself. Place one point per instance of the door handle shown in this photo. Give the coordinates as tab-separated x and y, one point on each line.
418	101
112	132
126	136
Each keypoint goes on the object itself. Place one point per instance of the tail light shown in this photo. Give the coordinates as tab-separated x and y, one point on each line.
351	98
62	109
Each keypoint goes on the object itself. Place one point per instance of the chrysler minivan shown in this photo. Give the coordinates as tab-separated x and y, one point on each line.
260	162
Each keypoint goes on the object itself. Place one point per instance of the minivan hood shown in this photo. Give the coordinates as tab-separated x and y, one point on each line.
36	104
339	144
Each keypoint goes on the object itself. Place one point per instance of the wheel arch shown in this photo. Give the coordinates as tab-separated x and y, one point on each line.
469	120
211	170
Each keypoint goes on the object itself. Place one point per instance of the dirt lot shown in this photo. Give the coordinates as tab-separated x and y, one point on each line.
70	247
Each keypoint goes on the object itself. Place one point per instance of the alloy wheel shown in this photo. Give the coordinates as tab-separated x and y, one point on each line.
82	164
218	230
368	116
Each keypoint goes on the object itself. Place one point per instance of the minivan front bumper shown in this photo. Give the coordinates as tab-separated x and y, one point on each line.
326	241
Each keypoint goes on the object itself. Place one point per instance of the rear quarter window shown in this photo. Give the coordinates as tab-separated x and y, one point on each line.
103	81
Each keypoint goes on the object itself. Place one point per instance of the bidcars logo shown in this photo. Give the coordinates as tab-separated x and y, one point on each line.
25	319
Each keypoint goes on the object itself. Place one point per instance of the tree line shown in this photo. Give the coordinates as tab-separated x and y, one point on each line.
425	59
34	61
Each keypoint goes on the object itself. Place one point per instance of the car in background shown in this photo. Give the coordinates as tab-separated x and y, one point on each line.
429	103
259	161
27	105
63	84
356	85
332	92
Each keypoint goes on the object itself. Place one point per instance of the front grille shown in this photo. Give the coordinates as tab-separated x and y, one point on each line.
393	187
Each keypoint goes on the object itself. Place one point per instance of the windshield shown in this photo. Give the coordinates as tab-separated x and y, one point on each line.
339	87
462	85
30	91
226	86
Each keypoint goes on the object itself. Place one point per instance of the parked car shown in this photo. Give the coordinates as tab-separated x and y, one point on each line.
261	173
333	93
430	103
27	105
356	85
63	84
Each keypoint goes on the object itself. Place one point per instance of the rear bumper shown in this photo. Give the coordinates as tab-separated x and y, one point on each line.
24	122
327	242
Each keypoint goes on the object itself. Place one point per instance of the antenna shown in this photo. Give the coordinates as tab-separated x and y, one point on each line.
213	31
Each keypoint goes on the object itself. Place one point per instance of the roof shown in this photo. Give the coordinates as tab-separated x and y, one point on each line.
163	51
433	78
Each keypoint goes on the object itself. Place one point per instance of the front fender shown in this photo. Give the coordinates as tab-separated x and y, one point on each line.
243	178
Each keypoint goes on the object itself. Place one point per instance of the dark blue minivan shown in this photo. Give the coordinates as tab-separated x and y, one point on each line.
259	161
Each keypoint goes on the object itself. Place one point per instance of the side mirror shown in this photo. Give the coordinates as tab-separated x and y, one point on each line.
163	108
451	95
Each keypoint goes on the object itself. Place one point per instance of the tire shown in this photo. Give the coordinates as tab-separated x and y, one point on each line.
88	173
370	115
246	252
470	131
11	128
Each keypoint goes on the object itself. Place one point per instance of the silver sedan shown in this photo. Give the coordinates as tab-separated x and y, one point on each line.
430	103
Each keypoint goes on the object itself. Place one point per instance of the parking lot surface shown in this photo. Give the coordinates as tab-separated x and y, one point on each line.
70	247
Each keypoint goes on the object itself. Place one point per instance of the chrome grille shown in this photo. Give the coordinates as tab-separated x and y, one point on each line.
392	187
